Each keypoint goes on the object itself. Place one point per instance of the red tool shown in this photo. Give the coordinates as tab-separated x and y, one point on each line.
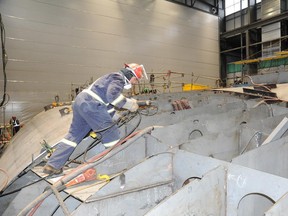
88	175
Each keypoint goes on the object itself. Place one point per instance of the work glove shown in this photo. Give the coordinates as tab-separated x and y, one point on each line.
131	105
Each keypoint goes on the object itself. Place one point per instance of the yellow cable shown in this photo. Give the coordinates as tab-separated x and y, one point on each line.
103	177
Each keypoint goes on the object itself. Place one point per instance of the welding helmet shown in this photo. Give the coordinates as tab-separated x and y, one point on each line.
133	70
137	70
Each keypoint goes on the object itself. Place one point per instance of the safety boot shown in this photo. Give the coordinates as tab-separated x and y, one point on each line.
51	170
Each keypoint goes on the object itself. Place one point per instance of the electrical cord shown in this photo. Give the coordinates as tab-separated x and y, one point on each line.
6	100
4	60
20	188
127	119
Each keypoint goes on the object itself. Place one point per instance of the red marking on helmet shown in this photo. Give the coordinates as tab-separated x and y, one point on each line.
138	72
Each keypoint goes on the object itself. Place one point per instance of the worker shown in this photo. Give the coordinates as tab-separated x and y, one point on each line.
15	125
94	109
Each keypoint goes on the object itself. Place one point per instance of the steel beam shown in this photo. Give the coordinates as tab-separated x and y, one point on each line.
257	24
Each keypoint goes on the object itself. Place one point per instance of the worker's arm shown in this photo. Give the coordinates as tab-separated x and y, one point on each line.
115	96
131	104
114	91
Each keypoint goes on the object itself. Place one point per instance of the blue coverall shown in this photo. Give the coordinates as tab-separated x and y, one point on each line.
92	109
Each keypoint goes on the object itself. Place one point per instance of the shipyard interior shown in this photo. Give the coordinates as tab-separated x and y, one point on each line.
195	97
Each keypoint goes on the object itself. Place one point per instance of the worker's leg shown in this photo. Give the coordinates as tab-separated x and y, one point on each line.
99	119
78	129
